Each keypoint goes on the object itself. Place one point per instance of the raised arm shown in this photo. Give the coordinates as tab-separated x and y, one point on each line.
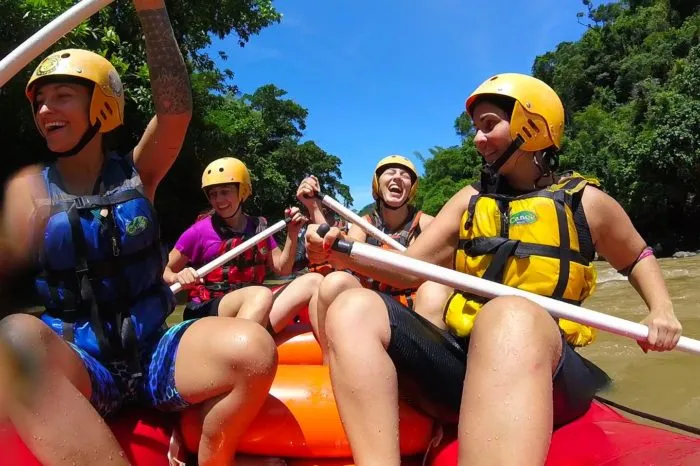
172	96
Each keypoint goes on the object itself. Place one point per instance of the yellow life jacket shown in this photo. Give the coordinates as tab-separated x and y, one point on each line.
528	242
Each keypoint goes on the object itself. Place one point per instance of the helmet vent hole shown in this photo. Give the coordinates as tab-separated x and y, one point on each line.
102	113
65	55
221	169
527	132
533	125
109	108
208	172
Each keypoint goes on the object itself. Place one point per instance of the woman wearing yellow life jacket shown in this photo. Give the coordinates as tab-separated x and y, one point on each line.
394	185
508	373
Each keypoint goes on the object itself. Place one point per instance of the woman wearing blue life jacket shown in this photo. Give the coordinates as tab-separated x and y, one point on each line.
103	341
502	369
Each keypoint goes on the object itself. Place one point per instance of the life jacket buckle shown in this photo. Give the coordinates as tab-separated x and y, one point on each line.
80	202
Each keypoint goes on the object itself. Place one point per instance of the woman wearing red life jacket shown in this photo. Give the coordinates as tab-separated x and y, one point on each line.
394	185
235	289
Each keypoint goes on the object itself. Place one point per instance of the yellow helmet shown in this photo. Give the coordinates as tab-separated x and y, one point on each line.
538	114
228	170
107	103
394	160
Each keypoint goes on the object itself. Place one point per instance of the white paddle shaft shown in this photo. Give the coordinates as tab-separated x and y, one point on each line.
389	260
235	252
47	36
361	222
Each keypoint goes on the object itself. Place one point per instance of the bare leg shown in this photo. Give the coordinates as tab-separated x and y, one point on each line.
506	410
331	287
59	420
251	303
228	366
430	302
293	298
364	377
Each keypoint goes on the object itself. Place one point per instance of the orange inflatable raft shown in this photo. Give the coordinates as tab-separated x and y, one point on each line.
300	422
297	344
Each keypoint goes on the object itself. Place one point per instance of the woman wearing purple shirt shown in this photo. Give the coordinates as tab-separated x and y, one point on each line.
236	288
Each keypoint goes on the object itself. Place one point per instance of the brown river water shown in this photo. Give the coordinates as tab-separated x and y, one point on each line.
662	384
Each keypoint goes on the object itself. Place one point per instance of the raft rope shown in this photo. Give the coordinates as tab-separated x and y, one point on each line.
650	417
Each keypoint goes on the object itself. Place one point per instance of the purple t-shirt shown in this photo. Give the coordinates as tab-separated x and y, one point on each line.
201	243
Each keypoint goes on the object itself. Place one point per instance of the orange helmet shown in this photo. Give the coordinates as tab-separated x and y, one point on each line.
394	160
107	103
538	113
228	170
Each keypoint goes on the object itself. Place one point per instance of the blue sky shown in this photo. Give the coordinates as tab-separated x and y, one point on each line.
391	76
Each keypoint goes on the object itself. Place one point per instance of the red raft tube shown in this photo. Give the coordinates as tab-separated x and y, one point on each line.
603	437
144	436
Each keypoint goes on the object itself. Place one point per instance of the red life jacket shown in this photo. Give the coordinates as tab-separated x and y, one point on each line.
249	268
404	236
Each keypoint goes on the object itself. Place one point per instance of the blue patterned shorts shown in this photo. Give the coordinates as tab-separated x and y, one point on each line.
113	385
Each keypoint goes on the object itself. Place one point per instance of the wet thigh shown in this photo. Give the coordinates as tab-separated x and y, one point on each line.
27	334
214	352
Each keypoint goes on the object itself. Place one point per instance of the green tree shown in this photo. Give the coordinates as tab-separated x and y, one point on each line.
631	90
263	128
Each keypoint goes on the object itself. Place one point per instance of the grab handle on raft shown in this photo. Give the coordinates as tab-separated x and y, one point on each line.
46	36
351	216
237	251
373	255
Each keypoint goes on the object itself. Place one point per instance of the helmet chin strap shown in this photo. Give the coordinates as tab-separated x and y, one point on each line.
87	137
490	177
235	212
550	162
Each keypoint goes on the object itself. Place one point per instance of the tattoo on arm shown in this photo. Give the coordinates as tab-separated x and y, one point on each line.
170	83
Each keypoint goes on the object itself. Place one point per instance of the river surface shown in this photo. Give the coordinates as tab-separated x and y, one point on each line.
664	384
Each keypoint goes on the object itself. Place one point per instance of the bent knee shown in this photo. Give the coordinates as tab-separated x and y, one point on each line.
31	337
357	312
311	279
517	318
260	293
248	349
263	297
335	283
24	330
260	297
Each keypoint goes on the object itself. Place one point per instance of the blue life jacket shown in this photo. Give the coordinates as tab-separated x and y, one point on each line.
102	264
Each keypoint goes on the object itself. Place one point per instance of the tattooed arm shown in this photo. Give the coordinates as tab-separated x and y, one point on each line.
161	142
